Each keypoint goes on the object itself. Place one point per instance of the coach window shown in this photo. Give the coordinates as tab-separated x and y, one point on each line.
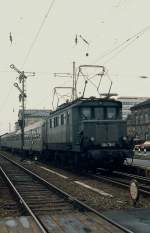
111	113
99	113
141	119
146	118
38	133
86	113
136	120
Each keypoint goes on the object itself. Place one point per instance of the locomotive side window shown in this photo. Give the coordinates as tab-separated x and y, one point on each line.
55	121
99	113
62	119
67	118
50	123
86	113
111	113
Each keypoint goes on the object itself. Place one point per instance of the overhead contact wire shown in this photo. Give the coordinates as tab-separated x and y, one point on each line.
38	32
134	37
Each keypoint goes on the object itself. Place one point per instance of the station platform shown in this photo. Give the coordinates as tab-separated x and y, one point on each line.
23	224
137	220
72	223
142	166
145	163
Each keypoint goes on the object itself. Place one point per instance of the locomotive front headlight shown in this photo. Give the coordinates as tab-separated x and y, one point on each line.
92	139
111	144
104	144
124	138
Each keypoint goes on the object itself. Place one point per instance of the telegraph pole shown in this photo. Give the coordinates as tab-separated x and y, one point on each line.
22	78
74	88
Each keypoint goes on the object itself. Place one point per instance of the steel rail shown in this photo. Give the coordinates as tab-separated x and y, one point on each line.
142	180
119	183
70	198
23	202
139	178
129	175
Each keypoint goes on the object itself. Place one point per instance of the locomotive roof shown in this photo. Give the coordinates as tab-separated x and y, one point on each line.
79	101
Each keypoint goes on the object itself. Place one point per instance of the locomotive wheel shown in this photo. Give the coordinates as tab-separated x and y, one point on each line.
77	162
56	159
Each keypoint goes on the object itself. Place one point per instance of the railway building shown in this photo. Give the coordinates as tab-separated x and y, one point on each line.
138	122
31	116
128	102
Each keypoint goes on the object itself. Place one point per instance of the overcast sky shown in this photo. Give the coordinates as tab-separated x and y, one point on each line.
105	24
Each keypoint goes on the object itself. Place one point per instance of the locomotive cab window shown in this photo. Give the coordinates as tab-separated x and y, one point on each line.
111	113
99	113
86	113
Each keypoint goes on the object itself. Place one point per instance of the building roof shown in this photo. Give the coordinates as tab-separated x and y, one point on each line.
143	104
35	112
131	97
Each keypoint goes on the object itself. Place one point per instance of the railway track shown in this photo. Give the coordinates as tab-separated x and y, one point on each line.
142	179
38	197
124	180
8	205
144	182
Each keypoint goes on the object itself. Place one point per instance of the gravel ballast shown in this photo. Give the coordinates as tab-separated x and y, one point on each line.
120	197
